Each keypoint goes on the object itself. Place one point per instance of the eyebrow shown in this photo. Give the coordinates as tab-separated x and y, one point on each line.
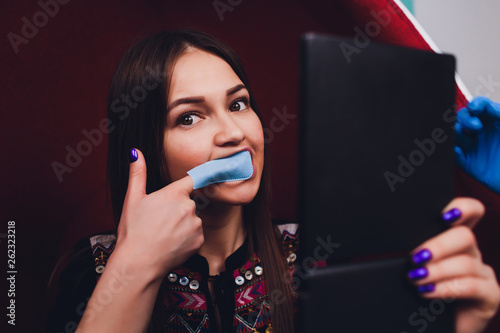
201	99
235	89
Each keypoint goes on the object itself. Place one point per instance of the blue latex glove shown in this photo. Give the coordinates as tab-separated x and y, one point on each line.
478	141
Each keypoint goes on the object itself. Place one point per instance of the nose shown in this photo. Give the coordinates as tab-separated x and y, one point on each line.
229	131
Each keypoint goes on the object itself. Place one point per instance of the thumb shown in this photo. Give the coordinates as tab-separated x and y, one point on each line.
137	175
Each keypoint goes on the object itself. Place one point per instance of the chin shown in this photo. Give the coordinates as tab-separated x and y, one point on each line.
236	193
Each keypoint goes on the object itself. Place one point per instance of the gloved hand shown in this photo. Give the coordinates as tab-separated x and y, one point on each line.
478	141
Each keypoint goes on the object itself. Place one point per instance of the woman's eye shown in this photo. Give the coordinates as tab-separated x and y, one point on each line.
188	119
239	105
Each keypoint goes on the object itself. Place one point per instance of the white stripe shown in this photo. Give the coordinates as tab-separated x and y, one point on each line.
290	227
433	46
103	240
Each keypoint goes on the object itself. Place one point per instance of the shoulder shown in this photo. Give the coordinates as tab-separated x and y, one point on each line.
287	229
102	245
75	264
77	280
289	232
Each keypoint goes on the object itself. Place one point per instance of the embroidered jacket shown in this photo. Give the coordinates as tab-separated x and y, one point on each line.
240	292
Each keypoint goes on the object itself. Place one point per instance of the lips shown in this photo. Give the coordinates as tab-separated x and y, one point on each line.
238	151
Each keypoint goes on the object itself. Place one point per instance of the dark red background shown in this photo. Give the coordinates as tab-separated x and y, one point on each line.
55	87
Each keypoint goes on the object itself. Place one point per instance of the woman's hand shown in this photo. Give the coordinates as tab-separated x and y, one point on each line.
478	141
450	266
156	233
160	229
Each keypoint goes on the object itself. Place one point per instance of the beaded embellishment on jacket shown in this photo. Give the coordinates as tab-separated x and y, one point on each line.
185	304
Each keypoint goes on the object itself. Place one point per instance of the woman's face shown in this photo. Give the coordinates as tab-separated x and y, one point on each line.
209	117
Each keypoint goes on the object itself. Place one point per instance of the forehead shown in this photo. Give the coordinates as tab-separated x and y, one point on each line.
201	73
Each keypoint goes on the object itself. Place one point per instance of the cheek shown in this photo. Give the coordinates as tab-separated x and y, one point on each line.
255	134
182	154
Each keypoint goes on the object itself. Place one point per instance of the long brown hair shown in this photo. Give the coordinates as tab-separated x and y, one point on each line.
140	123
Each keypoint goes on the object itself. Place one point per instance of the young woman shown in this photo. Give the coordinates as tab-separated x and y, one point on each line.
185	260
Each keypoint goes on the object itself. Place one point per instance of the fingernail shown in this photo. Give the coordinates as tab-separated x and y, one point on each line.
418	273
132	157
422	256
426	288
452	215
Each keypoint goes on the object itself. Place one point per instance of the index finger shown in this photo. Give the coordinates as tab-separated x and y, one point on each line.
184	185
462	214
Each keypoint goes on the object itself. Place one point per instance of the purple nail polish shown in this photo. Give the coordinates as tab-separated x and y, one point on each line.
452	215
132	157
426	288
422	256
418	273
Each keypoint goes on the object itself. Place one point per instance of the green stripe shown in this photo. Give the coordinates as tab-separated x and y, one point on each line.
409	5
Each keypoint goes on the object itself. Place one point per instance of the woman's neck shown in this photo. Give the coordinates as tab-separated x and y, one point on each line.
224	233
